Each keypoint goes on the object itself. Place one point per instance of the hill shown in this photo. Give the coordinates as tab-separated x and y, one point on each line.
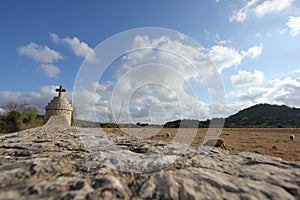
257	116
265	115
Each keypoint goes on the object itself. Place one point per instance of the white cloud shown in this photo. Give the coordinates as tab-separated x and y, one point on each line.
294	25
155	77
258	35
254	51
48	90
93	103
223	42
155	85
224	57
79	48
278	91
243	13
246	78
50	70
282	31
149	80
156	104
166	77
254	95
287	91
216	38
254	7
289	95
54	37
38	53
272	6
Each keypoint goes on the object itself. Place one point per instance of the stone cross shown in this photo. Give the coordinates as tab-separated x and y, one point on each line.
60	90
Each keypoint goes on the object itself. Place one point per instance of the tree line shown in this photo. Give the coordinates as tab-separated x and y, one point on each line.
18	116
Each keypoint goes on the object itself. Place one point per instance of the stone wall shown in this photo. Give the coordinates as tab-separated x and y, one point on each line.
62	162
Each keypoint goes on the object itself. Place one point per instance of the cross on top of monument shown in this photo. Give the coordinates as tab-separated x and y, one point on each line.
60	90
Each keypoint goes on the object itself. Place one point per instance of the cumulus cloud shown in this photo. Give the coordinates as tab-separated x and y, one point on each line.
282	31
254	94
286	91
81	49
243	13
160	80
54	37
278	91
289	94
294	25
221	55
259	8
153	84
246	78
254	51
92	103
38	53
272	6
50	70
224	57
78	47
48	90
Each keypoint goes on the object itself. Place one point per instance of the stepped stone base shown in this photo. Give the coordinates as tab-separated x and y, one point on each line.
57	120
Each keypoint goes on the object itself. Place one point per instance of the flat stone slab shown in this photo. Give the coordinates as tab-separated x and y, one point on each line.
63	162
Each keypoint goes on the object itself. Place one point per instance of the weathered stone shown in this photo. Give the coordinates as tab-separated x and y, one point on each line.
10	195
61	162
59	106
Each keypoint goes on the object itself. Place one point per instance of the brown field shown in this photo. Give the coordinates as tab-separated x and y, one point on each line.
269	141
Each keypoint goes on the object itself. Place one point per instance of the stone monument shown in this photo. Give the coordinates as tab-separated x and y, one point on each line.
59	106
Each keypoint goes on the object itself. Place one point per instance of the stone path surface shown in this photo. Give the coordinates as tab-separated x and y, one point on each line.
57	161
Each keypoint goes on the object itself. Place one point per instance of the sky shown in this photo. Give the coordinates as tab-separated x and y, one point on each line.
173	68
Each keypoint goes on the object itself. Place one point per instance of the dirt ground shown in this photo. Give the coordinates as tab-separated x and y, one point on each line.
269	141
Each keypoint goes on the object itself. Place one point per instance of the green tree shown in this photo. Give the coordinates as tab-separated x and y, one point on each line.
19	116
13	121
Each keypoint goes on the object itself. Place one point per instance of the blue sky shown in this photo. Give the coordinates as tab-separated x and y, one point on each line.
254	45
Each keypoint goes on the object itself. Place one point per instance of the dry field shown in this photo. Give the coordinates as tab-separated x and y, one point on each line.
270	141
